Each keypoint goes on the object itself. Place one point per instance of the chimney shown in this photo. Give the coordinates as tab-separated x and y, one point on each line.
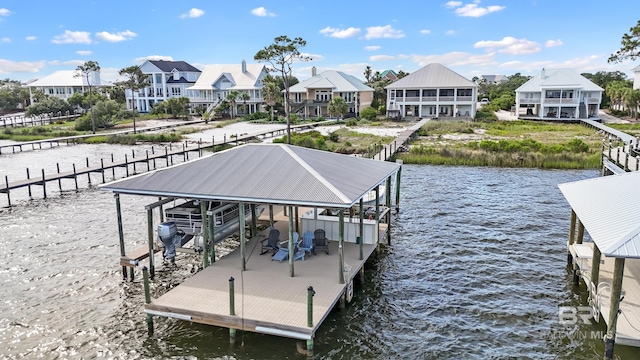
542	74
244	66
313	71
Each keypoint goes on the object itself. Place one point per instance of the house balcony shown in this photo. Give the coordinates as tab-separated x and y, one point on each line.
530	101
464	98
447	98
593	101
561	101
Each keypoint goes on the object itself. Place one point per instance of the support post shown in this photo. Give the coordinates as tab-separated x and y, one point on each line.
242	235
614	311
205	231
376	241
212	223
290	243
232	297
341	279
44	185
150	240
361	225
120	233
595	265
572	234
254	221
387	196
310	293
398	175
147	298
271	216
29	187
6	182
580	232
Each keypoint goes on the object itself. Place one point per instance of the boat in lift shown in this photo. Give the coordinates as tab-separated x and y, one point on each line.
183	223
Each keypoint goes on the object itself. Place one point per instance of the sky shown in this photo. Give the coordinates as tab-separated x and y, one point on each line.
471	37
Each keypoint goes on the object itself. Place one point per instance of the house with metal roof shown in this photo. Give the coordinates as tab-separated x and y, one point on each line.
310	98
558	94
434	91
167	79
389	75
493	79
218	80
64	83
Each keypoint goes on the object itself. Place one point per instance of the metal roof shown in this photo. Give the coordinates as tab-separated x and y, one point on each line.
558	79
432	76
168	66
331	79
240	80
607	207
265	173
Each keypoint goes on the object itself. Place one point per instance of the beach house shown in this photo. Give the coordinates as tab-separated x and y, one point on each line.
64	83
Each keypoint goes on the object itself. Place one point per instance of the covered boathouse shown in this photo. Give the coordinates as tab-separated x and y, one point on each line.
606	208
274	299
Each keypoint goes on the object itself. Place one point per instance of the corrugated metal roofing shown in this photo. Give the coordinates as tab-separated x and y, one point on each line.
168	66
336	80
608	208
59	78
265	173
558	78
432	76
240	80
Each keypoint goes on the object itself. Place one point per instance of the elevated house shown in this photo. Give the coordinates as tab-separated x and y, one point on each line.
217	81
558	94
310	98
433	91
64	83
167	79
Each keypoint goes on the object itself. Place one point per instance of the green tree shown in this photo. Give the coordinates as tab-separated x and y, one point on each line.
107	112
402	74
615	90
51	105
603	79
338	107
281	54
85	70
136	80
369	113
367	73
630	46
232	98
270	94
177	106
244	96
222	107
117	93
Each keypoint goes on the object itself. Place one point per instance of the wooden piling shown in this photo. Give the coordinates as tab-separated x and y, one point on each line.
572	234
6	181
29	187
341	278
614	310
59	180
595	265
310	293
232	299
113	169
102	169
44	185
75	177
398	176
212	249
147	298
387	197
290	242
361	230
150	241
88	173
241	220
120	233
205	231
126	165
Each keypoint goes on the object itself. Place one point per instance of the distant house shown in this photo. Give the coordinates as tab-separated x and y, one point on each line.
64	83
636	77
310	98
217	81
167	79
493	79
389	75
433	91
558	94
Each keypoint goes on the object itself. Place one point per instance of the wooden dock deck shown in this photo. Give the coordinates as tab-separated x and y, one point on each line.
267	299
628	323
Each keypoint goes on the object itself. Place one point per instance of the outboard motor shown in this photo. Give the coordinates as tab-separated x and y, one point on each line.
171	237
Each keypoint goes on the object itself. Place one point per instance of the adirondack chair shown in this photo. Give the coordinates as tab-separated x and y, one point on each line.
271	242
320	241
307	242
283	252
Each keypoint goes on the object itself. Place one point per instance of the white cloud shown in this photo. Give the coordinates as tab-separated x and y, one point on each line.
313	57
453	4
30	38
72	37
590	63
73	63
4	12
116	37
383	32
152	57
372	48
8	66
193	13
261	11
84	52
456	58
473	10
450	32
5	40
425	31
553	43
340	33
510	45
382	58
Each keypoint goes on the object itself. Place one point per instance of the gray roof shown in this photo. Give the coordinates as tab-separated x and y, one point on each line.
607	207
558	79
331	79
432	76
265	173
168	66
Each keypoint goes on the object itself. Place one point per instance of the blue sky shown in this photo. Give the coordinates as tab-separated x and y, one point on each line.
471	37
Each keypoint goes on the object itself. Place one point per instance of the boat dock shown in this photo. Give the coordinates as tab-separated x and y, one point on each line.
265	298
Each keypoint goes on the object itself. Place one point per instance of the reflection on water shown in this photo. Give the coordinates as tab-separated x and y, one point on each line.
476	270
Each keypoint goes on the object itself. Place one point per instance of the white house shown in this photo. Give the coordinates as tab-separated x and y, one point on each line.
167	79
636	77
493	79
433	91
218	80
558	94
310	98
64	83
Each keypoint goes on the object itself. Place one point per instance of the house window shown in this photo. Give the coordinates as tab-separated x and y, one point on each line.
552	94
158	78
175	91
50	91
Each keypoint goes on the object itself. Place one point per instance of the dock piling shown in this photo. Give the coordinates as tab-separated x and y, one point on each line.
310	293
88	173
6	181
232	300
75	176
59	180
44	185
29	187
147	298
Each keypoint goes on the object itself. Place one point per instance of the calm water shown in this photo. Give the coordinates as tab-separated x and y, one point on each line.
477	270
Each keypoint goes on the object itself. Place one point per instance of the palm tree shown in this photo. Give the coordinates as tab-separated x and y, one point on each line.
85	70
367	73
231	98
270	93
632	100
245	97
338	107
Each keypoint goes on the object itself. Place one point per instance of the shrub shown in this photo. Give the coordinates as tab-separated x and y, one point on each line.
369	113
333	136
485	114
83	123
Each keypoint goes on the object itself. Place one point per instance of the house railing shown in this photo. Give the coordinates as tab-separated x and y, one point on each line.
446	98
560	101
463	98
530	101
